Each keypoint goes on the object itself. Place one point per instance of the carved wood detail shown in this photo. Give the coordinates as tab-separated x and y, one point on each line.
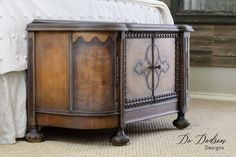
88	36
136	102
93	74
78	75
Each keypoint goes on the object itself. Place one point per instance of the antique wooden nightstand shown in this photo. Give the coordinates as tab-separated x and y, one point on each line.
91	75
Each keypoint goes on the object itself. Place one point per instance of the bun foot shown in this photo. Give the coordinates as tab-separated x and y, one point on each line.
120	138
181	122
34	136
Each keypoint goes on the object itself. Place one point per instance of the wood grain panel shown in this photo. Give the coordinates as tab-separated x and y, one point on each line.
52	66
225	51
224	61
201	57
213	45
203	29
93	73
203	35
77	122
202	41
224	30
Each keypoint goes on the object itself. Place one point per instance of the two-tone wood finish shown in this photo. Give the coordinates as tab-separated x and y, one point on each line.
105	75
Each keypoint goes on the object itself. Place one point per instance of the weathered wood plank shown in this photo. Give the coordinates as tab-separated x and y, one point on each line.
202	28
201	49
202	41
225	40
223	61
224	51
213	45
201	57
202	37
225	30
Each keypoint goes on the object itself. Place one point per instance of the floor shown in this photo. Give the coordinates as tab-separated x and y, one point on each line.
212	133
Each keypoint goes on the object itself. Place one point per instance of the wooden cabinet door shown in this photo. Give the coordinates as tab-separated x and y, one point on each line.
150	68
138	78
93	71
51	70
164	66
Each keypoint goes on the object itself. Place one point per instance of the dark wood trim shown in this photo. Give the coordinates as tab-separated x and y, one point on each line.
187	66
60	25
122	80
30	78
75	113
114	55
71	75
159	27
150	111
77	122
55	25
184	53
177	64
33	77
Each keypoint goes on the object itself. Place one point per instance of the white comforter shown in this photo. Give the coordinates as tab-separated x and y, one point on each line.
16	14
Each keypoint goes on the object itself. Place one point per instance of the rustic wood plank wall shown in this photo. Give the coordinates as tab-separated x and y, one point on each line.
212	45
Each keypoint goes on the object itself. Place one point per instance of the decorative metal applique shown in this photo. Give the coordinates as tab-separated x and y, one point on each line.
160	66
152	65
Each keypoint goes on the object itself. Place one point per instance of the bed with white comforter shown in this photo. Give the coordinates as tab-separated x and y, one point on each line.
15	15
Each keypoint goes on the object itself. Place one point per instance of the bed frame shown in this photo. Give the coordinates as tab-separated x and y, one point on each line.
92	75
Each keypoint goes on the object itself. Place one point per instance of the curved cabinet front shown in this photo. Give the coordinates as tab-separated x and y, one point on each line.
105	75
74	79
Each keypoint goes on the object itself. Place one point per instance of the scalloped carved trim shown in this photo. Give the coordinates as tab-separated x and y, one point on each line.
89	36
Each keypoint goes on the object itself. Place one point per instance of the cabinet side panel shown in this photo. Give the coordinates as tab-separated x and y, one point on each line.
93	70
52	66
